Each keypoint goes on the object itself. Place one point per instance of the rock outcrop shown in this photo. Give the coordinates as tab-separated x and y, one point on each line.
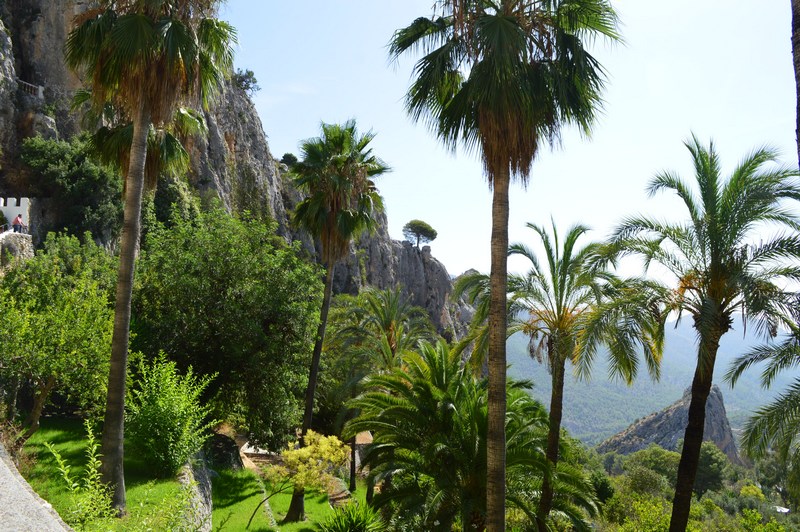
667	427
8	98
233	162
14	247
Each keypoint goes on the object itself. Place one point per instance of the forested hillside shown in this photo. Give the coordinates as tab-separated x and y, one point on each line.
601	407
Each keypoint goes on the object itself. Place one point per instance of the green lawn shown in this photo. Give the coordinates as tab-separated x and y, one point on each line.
236	494
151	502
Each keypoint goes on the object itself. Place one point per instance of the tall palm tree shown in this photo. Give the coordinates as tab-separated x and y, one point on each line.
144	57
474	287
502	77
428	419
573	293
335	173
723	263
796	57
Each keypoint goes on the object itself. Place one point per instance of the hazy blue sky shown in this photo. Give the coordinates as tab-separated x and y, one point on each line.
719	68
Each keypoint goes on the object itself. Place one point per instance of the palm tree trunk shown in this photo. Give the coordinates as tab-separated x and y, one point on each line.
496	434
112	444
693	439
796	56
553	440
352	486
297	506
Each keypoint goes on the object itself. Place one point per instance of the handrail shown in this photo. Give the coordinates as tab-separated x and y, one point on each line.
7	227
30	88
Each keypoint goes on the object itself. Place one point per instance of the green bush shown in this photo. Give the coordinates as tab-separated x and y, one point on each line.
90	498
166	421
353	517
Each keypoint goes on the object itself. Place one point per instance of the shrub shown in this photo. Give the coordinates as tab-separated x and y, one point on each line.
246	80
91	499
166	421
353	517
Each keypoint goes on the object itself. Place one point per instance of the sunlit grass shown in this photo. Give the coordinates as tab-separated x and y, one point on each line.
145	493
236	494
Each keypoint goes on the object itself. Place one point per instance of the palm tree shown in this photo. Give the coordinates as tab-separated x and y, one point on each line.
503	77
474	287
719	267
573	294
367	334
182	51
388	316
335	172
796	58
776	426
429	420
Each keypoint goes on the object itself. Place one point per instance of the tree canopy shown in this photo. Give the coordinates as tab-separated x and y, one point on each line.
227	296
417	231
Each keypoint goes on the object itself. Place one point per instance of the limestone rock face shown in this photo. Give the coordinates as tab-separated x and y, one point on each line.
235	162
666	427
8	93
40	28
232	163
378	261
15	247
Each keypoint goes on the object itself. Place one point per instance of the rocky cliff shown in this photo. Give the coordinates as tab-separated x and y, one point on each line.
233	162
666	427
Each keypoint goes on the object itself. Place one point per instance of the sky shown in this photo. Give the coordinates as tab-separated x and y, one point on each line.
721	69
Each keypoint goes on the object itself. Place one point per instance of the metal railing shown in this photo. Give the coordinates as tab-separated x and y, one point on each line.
30	88
7	227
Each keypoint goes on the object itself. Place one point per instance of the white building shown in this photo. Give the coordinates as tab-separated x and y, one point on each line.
11	207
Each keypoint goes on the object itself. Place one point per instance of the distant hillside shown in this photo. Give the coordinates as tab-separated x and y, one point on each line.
666	429
595	410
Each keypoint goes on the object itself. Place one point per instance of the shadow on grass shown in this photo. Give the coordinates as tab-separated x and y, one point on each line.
231	488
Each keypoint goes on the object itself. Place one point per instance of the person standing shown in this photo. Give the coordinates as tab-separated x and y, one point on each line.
17	224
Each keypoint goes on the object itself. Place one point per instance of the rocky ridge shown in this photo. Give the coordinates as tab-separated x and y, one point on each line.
667	427
233	162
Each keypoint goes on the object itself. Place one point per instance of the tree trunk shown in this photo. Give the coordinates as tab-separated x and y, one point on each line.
496	434
297	506
352	486
114	423
693	438
31	424
553	440
11	405
796	56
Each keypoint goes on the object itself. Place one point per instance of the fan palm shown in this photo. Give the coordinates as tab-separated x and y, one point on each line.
503	77
144	57
719	267
429	423
574	294
341	202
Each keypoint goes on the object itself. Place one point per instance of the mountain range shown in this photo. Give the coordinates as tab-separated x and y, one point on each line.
601	407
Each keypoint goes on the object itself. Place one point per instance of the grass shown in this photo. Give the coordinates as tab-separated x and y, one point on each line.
235	493
146	495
